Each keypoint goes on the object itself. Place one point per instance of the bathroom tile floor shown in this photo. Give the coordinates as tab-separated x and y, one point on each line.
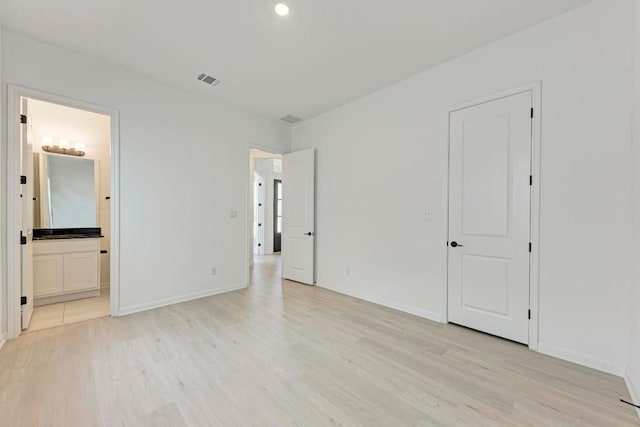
65	313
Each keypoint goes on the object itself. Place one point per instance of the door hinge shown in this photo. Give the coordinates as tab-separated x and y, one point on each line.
23	300
23	179
529	247
529	314
532	112
530	180
23	239
23	119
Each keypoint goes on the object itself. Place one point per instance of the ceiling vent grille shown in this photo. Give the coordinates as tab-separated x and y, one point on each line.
210	80
291	119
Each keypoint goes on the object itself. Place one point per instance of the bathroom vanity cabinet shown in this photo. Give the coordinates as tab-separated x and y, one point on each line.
65	269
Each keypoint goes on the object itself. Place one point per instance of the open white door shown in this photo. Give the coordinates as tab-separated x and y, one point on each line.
489	216
26	215
298	219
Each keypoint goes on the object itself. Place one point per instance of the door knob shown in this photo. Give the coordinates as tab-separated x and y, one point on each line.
308	234
456	244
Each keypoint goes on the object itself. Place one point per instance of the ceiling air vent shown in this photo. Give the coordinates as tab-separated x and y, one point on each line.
291	119
210	80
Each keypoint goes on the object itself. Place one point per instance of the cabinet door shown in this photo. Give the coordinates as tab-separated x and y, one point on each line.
80	271
47	275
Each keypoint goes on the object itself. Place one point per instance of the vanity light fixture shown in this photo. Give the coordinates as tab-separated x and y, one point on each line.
282	9
63	148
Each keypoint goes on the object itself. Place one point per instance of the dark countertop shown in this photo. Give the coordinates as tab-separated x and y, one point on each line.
67	236
67	233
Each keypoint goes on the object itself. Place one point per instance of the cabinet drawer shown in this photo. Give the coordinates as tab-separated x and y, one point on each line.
45	247
81	271
47	275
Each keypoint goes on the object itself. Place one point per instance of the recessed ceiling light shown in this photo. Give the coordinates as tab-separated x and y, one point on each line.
282	9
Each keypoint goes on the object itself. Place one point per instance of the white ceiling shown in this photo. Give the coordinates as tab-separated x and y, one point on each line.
326	53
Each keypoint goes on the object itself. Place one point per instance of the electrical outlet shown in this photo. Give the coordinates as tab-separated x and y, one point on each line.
429	216
347	271
214	271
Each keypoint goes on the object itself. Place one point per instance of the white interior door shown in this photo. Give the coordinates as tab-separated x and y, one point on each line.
298	219
489	217
26	214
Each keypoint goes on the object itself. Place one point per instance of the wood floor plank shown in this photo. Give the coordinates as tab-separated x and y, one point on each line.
286	354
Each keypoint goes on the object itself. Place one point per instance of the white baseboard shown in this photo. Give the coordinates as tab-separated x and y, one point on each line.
634	389
550	350
436	317
176	300
582	359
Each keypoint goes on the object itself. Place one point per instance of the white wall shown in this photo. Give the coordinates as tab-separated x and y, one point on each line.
633	370
183	164
382	163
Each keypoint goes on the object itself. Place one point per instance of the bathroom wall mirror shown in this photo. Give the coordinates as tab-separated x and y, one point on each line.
65	191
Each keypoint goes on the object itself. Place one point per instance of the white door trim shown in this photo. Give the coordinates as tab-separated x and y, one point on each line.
536	89
14	93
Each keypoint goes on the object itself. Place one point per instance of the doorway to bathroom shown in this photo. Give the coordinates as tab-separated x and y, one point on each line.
63	209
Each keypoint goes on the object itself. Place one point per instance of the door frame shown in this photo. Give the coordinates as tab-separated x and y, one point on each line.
13	285
534	257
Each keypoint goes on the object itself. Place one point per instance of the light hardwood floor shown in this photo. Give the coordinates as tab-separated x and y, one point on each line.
285	354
